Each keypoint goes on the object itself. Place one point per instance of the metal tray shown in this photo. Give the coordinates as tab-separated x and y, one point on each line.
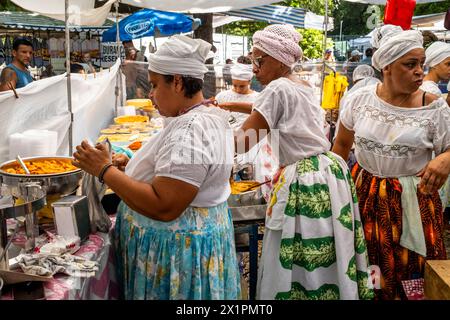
248	213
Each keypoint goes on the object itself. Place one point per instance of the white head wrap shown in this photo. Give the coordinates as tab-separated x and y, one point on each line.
396	46
363	71
181	55
242	72
383	32
279	41
436	53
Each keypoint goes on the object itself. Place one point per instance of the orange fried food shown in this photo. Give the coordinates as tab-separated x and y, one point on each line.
47	166
135	145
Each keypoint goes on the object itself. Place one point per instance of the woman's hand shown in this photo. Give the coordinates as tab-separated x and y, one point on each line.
120	160
91	159
434	174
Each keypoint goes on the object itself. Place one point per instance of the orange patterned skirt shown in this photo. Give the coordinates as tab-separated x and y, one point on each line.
381	215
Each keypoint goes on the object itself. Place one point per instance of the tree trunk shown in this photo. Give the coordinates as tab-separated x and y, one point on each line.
205	31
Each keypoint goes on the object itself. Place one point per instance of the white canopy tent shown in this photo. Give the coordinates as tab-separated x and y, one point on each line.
383	2
82	12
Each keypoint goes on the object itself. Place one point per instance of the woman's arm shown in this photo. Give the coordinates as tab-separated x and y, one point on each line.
344	141
163	199
253	130
242	107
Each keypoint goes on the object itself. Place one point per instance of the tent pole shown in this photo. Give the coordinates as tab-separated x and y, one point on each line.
118	90
69	88
323	49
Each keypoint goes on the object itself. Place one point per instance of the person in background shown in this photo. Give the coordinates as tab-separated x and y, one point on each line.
174	235
329	55
226	72
209	83
395	128
137	55
239	99
313	245
438	62
16	75
351	64
77	68
86	62
368	58
428	38
363	76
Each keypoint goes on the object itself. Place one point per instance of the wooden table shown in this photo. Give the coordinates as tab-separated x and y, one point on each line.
437	280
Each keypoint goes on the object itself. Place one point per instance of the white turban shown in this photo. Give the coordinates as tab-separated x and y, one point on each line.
181	55
383	32
436	53
242	72
279	41
363	71
395	47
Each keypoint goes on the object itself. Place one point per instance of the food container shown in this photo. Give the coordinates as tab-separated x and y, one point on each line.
140	103
128	119
248	198
55	183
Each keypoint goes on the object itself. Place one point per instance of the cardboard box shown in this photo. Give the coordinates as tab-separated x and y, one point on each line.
437	280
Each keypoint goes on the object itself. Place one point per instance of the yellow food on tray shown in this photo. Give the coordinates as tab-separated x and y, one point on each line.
108	131
48	166
141	103
115	137
238	187
127	119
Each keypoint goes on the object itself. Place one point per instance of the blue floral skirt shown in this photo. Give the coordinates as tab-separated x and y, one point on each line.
191	257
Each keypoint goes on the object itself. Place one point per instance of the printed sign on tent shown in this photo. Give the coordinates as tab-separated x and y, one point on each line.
109	53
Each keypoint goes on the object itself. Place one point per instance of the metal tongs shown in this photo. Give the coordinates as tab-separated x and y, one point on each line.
22	164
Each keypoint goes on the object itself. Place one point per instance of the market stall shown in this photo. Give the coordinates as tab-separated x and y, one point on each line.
47	36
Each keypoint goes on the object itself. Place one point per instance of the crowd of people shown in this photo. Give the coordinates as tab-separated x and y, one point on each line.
331	225
327	226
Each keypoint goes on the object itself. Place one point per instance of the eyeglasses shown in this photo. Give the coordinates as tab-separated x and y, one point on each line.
257	61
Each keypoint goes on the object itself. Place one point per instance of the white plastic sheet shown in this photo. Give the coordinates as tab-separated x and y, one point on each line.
197	6
81	12
43	105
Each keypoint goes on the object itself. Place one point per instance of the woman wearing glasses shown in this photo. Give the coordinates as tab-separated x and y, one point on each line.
313	245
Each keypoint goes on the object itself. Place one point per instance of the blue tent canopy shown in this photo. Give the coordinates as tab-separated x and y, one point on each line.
146	23
273	14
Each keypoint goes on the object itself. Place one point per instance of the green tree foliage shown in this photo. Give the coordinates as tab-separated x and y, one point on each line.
430	8
7	5
353	16
312	43
316	6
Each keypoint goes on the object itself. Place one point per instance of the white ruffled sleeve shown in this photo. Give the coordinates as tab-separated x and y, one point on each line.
441	138
270	106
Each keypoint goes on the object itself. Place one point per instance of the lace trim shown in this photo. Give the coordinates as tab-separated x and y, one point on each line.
396	119
394	150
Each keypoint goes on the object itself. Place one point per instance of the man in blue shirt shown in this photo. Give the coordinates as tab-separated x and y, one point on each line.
16	75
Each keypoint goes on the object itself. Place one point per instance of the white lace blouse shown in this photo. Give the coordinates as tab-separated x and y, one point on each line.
391	141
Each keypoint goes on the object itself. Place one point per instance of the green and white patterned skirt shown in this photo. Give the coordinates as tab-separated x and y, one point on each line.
314	246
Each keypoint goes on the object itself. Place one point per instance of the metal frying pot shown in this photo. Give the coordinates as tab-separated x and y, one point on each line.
62	183
248	198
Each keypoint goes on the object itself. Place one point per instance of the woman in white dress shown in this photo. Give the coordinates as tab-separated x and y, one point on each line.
313	244
174	234
395	127
438	61
239	99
